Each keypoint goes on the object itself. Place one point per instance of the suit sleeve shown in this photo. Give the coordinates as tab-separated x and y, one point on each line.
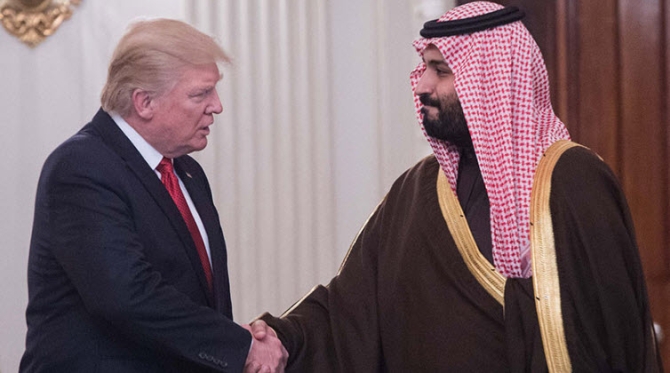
97	244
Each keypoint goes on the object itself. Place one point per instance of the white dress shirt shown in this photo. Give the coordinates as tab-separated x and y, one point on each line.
153	158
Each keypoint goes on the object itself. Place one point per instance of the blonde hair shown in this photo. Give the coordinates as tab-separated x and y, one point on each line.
150	56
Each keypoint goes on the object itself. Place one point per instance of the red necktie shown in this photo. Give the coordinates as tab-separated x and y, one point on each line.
171	183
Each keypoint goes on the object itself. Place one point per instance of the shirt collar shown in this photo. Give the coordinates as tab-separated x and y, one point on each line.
148	152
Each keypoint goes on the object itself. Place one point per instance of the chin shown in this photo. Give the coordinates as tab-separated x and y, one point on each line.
200	145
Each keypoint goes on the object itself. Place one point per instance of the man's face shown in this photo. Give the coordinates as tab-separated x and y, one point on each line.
182	116
443	116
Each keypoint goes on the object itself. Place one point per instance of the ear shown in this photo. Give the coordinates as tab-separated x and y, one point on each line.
144	104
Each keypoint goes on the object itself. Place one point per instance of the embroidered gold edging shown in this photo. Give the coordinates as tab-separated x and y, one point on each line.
546	283
296	304
492	281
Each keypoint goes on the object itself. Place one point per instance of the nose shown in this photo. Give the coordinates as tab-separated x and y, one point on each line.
215	107
426	83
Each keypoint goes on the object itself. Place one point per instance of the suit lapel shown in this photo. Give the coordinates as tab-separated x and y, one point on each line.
117	140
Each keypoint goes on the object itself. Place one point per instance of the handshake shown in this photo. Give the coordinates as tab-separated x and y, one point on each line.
267	354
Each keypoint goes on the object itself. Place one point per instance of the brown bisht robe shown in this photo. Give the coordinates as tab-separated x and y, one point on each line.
405	301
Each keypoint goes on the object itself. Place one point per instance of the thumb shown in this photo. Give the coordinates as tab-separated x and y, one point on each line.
259	329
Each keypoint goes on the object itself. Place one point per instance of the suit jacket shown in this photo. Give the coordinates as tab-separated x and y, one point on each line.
114	279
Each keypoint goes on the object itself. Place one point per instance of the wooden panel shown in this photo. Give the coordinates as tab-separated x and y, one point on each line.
565	95
644	155
663	282
643	128
595	105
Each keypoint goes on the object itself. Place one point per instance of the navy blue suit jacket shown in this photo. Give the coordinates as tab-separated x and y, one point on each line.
115	283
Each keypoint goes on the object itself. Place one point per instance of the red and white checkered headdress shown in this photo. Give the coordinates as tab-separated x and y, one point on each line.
501	82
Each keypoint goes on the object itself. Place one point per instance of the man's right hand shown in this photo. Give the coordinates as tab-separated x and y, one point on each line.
267	354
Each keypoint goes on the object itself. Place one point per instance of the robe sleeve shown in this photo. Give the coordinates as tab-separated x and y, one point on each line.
335	328
605	306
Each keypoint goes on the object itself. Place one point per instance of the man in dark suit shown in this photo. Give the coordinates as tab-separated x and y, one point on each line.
127	269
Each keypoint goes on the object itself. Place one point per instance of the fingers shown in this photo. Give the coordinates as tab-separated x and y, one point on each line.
271	332
259	329
257	368
252	367
266	355
283	361
284	354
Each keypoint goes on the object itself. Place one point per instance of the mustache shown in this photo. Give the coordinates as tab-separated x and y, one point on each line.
426	100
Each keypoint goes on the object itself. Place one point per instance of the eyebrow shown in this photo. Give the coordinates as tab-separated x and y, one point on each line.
437	63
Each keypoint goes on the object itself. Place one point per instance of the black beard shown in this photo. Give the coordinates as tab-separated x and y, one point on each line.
450	124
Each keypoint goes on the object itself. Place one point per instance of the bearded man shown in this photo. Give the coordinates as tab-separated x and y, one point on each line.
509	249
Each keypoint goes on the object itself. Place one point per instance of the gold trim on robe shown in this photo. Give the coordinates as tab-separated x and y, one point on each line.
546	283
485	273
